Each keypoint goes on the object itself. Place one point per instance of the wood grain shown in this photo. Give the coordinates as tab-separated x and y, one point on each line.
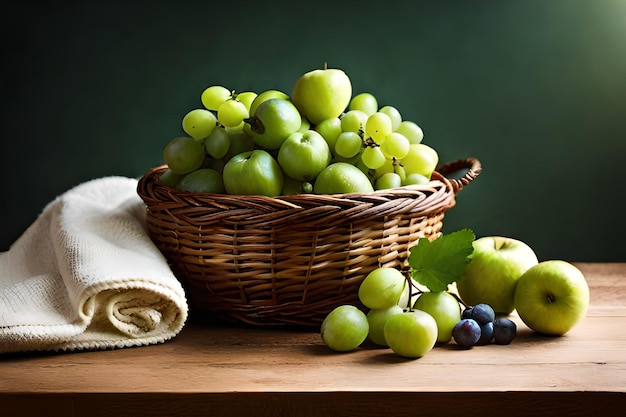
220	371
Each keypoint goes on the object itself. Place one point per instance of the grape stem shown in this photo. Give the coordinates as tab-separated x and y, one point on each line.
458	299
370	142
407	276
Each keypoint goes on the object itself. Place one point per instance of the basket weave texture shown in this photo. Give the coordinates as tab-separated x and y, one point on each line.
290	260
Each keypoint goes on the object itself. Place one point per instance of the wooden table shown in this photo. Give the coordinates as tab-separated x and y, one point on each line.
231	371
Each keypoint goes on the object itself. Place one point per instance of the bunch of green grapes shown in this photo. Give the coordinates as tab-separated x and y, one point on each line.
374	138
378	140
214	134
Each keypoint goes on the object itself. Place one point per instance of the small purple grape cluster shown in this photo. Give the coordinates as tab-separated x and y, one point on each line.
479	326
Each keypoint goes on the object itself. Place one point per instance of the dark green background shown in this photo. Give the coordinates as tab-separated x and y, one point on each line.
535	89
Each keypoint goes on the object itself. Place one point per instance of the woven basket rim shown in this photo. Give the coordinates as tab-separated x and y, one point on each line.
472	166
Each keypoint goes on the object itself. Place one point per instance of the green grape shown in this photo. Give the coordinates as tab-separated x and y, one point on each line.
307	187
395	145
213	96
411	130
170	179
365	102
373	157
240	142
353	121
348	144
246	97
394	115
377	319
399	170
183	155
421	159
444	308
217	143
291	186
378	127
382	288
205	180
266	95
415	179
345	328
352	161
330	130
199	123
232	113
411	334
357	161
235	129
216	164
384	168
387	181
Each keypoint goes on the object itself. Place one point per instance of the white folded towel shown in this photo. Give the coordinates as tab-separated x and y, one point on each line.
85	275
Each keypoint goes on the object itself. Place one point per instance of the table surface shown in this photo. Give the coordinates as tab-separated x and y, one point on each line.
230	370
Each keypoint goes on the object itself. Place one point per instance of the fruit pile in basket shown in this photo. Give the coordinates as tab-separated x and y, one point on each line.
319	139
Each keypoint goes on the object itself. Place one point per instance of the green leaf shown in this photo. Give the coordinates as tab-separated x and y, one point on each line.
439	263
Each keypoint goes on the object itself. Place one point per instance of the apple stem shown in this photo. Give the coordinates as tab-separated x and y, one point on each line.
255	124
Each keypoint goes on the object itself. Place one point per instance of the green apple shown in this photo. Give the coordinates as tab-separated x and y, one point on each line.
411	334
444	308
253	173
552	297
264	96
342	178
272	122
302	156
322	94
495	265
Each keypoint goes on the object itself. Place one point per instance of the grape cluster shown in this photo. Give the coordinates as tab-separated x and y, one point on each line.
374	138
383	292
213	134
380	142
479	326
387	294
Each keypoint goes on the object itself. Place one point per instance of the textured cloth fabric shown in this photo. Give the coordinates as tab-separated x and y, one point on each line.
85	275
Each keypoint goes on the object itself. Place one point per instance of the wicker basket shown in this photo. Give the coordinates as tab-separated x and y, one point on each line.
290	260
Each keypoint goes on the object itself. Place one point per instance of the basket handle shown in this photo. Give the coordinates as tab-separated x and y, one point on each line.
472	166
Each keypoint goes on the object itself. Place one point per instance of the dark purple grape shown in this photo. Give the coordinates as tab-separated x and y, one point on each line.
466	333
467	313
504	331
486	334
483	313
